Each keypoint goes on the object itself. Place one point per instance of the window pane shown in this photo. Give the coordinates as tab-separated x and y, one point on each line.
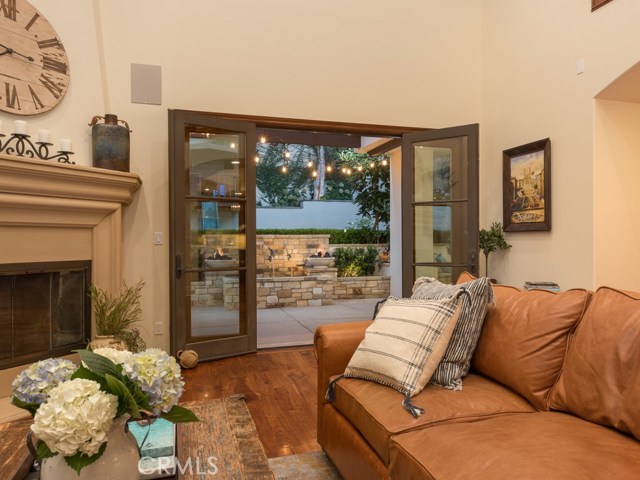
443	274
216	165
440	170
215	307
217	236
437	229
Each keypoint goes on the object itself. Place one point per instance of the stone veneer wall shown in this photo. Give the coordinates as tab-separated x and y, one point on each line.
293	284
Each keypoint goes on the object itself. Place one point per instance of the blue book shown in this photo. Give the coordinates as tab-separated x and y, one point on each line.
159	437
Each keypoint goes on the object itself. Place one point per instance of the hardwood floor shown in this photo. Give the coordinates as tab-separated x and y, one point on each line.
280	386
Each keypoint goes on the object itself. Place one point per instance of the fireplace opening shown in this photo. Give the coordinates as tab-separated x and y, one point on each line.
44	310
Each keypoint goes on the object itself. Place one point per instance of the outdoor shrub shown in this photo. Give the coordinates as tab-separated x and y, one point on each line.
336	236
355	261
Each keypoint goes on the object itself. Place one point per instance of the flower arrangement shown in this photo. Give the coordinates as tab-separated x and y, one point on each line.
73	407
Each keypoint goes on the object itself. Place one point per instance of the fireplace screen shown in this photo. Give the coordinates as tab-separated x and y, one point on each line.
44	310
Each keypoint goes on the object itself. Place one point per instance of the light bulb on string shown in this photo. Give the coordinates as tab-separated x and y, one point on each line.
287	154
314	174
372	165
284	169
263	139
233	145
348	171
257	159
309	164
344	170
359	168
329	168
384	163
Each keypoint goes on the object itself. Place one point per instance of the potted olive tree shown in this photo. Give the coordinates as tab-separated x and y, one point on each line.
115	315
490	241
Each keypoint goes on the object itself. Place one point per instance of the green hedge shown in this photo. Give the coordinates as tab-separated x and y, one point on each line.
349	235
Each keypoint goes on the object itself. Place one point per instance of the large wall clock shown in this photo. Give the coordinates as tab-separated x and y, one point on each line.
34	69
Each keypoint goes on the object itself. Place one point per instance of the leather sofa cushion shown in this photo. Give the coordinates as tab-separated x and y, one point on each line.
542	445
524	338
375	410
600	380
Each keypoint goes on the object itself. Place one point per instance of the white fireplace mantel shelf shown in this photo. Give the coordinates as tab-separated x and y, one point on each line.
26	176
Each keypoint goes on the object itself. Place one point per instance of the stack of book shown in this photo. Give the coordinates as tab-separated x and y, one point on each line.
551	286
157	443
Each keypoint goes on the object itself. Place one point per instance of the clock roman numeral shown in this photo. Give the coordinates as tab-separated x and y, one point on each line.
36	101
54	65
32	21
11	96
8	9
51	86
49	43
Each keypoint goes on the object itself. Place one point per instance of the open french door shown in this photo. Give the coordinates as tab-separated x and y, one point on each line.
212	220
439	204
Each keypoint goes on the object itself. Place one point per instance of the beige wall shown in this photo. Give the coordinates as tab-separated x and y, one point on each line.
530	91
616	186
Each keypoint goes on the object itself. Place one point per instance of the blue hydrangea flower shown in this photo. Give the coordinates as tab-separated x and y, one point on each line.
33	384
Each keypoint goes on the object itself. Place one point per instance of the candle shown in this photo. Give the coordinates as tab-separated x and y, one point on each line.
65	145
20	127
43	136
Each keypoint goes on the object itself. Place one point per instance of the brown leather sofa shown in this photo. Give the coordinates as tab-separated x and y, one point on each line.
554	393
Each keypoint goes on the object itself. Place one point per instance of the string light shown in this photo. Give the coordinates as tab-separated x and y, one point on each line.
309	164
257	159
384	163
372	165
233	145
348	171
359	168
314	174
263	139
329	168
284	169
344	170
287	154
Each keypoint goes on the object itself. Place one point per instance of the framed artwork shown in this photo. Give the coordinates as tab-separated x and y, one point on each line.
526	172
595	4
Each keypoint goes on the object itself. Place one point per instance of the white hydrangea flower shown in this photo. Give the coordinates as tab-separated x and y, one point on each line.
158	375
76	417
116	356
33	384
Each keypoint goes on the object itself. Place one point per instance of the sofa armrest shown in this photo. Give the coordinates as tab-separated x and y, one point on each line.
334	346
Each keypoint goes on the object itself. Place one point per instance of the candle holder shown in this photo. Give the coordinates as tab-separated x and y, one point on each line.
19	144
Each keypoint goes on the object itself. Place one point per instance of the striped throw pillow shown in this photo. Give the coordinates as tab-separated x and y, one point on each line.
404	344
456	360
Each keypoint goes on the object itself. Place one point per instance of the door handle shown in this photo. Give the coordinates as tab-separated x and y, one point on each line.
179	269
472	265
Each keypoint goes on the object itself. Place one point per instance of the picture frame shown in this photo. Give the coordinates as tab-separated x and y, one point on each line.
526	172
595	4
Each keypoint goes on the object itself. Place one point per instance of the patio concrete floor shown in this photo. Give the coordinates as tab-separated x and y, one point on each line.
282	327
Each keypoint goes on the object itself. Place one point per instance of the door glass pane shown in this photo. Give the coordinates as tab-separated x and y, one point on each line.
440	233
216	234
443	274
214	305
440	171
216	165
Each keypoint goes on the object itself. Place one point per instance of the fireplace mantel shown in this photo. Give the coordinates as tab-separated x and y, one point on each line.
52	211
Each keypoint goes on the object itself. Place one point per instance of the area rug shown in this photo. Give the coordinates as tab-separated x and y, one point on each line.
223	445
307	466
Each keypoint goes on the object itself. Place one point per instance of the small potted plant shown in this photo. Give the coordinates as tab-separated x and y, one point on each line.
490	241
115	316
